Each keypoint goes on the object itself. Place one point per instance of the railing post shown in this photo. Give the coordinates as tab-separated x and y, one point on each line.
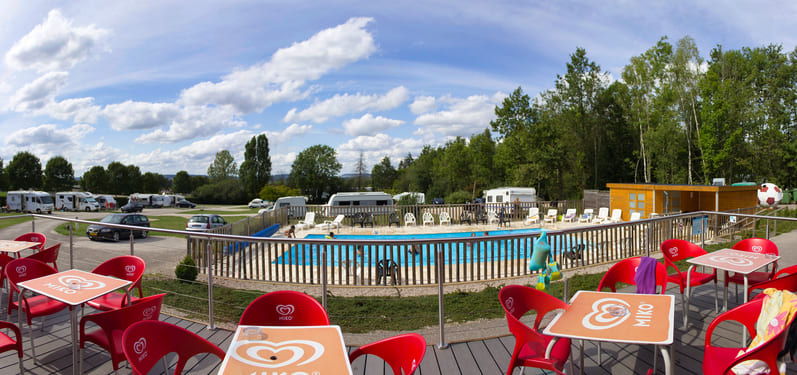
33	224
131	243
440	270
323	259
71	258
209	261
766	234
702	231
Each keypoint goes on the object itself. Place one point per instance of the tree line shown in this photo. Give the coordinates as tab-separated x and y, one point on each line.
673	118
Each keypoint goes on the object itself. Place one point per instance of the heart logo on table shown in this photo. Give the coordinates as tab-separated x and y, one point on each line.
67	280
601	316
140	345
285	309
735	261
757	249
267	354
149	312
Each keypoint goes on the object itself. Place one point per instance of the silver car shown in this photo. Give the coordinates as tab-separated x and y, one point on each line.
204	222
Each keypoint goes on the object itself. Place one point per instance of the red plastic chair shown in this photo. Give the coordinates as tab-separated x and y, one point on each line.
788	282
113	323
33	237
624	272
753	245
146	342
720	360
675	250
284	308
403	353
19	270
125	267
48	255
530	344
7	343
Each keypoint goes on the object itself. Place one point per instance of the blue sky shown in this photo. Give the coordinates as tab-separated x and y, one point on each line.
167	86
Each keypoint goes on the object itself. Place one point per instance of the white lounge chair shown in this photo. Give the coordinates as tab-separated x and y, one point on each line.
617	216
444	218
330	224
635	216
550	217
308	222
586	217
603	215
534	216
570	215
492	217
428	218
409	218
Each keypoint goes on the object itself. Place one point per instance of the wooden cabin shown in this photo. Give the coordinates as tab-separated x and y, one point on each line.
663	198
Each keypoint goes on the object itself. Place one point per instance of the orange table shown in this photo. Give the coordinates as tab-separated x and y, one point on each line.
286	350
617	317
72	287
10	246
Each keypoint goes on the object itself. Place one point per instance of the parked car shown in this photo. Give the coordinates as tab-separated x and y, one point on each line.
257	203
99	231
204	222
438	201
132	207
182	203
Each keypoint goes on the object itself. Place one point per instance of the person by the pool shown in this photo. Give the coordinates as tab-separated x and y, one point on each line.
330	236
291	233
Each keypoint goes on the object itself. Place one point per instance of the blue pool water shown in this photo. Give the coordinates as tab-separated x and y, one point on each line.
481	250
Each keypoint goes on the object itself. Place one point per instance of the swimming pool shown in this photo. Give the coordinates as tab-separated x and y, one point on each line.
474	247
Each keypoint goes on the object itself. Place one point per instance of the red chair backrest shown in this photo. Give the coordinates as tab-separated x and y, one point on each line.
624	272
403	353
146	342
48	255
33	237
783	271
517	300
676	249
19	270
147	308
757	245
284	308
125	267
788	282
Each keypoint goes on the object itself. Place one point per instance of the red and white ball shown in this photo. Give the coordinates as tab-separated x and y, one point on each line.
769	195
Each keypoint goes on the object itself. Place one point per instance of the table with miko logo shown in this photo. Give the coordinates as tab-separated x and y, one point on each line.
290	350
617	317
72	287
10	246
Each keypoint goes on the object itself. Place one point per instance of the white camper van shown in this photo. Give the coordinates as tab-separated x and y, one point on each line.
29	201
503	197
296	205
420	198
75	201
148	200
347	203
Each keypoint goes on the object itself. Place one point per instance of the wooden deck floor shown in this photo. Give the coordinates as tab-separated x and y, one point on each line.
489	356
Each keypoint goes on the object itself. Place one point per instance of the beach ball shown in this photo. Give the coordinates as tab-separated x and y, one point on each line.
769	195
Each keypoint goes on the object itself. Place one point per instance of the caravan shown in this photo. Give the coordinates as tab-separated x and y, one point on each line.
349	203
75	201
147	200
29	201
296	205
504	197
420	198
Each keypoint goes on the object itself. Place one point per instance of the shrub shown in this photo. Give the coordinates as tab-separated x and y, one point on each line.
186	270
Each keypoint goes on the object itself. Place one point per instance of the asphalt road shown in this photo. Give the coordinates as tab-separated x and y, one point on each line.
161	254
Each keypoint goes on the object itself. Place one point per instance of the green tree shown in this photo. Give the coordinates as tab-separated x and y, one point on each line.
271	192
182	183
227	191
360	168
315	170
24	171
58	175
685	80
153	183
3	177
95	180
482	150
123	179
383	174
223	167
256	168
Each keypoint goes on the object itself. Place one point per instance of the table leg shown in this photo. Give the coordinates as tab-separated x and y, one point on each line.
744	331
725	293
667	354
549	349
688	291
73	323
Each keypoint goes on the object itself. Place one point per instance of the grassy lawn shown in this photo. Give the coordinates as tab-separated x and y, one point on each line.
164	222
9	222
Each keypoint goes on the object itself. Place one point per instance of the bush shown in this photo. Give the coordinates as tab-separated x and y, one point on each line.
459	197
186	270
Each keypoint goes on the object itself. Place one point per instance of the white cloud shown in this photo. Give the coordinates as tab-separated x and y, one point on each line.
77	109
368	124
39	93
423	104
292	131
140	115
281	79
374	148
193	122
463	117
48	135
340	105
54	45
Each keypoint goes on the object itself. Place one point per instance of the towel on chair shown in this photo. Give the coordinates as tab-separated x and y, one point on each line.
645	277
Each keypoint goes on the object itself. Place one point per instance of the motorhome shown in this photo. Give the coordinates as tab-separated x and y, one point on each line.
75	201
296	205
106	201
29	201
148	200
420	198
503	197
353	202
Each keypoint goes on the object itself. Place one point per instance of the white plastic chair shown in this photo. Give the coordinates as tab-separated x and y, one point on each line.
308	222
586	217
409	218
550	217
603	215
534	216
428	218
492	217
329	224
444	218
617	216
570	215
